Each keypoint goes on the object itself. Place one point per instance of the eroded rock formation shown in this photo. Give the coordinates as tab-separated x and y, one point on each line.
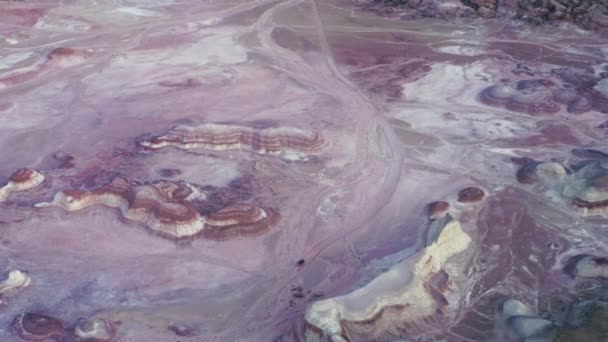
541	98
589	14
38	327
587	266
15	281
286	142
584	322
588	188
171	209
163	206
94	330
437	209
470	195
403	295
21	180
522	321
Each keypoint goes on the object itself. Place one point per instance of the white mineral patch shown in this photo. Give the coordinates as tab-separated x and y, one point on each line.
136	11
64	25
16	279
219	48
443	82
329	203
602	86
211	21
293	156
514	307
8	61
503	151
461	50
196	194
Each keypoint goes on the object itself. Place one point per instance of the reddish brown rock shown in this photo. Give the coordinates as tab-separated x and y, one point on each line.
38	327
183	330
470	195
61	52
437	209
21	180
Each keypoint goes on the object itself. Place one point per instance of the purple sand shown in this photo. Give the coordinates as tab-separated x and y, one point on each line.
262	170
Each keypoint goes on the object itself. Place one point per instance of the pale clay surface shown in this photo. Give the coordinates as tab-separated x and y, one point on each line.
327	127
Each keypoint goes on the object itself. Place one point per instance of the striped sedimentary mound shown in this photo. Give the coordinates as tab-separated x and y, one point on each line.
527	96
411	292
21	180
286	142
576	92
588	188
170	209
238	220
162	206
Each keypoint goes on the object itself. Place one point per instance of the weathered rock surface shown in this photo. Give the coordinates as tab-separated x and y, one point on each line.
589	14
